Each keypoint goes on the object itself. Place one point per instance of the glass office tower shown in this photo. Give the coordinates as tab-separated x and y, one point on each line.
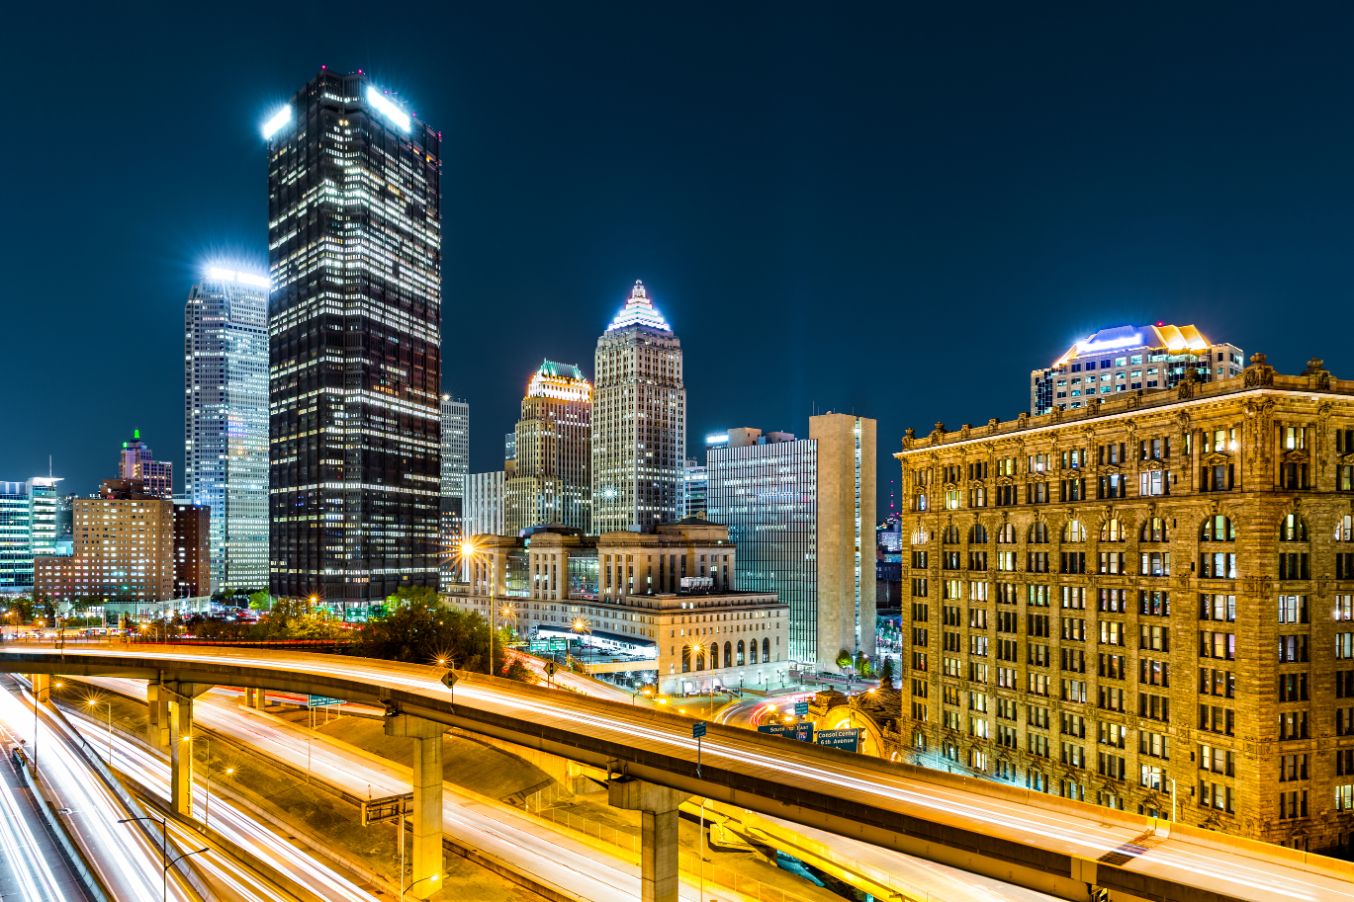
225	355
355	260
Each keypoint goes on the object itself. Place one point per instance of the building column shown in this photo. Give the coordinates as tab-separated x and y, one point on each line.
179	698
660	873
42	686
426	861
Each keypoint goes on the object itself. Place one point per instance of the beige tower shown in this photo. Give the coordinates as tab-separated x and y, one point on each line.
846	517
550	481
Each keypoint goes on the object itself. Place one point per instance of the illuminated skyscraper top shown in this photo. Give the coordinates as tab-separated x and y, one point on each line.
355	259
638	421
136	462
639	311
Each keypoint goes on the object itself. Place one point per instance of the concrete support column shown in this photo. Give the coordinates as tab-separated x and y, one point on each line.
42	686
660	874
180	716
157	716
426	861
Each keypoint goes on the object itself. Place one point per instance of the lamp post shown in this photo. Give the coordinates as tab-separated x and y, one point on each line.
470	552
92	702
164	849
181	858
433	877
207	808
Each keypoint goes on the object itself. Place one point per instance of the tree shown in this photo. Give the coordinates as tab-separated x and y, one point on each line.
843	659
260	601
420	630
886	673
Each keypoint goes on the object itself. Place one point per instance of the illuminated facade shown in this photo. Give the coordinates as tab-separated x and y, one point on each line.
1129	359
638	420
550	480
137	463
694	490
28	528
801	512
1144	603
484	503
455	470
355	262
670	591
192	550
225	353
124	549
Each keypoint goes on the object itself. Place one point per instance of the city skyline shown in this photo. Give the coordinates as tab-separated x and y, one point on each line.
1051	228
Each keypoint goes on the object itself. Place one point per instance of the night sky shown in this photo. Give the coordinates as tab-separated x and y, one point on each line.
892	210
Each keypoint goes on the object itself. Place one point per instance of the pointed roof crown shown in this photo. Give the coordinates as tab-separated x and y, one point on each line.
639	311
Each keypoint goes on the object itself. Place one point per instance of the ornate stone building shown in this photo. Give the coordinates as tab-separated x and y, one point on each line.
1147	603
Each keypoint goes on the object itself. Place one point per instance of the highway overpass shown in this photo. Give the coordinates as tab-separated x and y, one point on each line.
1026	838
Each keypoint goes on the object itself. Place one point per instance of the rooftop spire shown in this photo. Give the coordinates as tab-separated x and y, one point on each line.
639	311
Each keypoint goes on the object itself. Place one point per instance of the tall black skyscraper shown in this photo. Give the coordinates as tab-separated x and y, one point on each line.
354	237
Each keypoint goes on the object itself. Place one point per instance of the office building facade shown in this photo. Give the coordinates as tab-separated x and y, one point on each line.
1147	603
801	512
455	470
124	549
694	490
550	481
28	528
484	503
192	550
225	353
138	463
1129	359
638	420
355	263
668	594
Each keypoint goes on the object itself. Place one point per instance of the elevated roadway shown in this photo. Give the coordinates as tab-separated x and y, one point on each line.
1026	838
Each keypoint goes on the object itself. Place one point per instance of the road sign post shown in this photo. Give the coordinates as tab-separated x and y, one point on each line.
449	680
698	733
802	708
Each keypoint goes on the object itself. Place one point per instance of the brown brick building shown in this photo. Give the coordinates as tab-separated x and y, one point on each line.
1143	603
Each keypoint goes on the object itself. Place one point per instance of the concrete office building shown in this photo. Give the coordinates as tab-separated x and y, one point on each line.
192	550
484	503
225	353
694	490
1147	603
638	420
550	481
1129	358
124	548
668	596
802	513
354	318
455	470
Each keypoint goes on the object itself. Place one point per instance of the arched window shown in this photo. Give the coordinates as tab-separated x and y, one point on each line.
766	651
921	536
977	534
728	654
714	655
1217	528
1006	535
1038	533
1293	529
951	535
752	652
1344	529
1074	531
1113	530
742	655
1154	530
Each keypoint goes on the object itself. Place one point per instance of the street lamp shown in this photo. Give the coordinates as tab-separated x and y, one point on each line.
207	808
92	703
646	691
164	849
404	889
470	552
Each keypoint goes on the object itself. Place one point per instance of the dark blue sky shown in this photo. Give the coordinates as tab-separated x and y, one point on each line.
891	209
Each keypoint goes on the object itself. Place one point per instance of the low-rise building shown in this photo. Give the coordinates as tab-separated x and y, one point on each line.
666	596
